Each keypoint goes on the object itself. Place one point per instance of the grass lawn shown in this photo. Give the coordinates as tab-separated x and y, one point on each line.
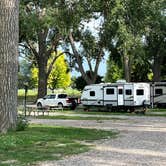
65	117
31	96
41	143
94	112
157	110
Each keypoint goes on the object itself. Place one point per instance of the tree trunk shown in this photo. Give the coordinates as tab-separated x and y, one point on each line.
91	78
42	64
42	82
127	68
8	63
157	69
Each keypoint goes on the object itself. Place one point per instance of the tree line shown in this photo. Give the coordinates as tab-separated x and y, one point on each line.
131	32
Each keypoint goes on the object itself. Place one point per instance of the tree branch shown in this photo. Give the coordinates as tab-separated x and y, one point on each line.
53	61
78	59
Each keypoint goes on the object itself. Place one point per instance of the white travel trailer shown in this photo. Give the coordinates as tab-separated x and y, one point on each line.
158	94
120	94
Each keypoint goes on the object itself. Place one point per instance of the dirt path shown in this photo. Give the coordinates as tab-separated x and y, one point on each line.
142	142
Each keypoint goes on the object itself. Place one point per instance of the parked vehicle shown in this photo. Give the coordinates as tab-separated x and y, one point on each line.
158	94
54	100
117	95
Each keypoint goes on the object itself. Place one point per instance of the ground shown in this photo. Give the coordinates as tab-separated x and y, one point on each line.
141	142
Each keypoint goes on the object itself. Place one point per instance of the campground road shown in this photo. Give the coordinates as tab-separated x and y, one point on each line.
141	142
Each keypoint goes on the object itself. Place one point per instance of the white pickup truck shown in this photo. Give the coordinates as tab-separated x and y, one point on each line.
54	100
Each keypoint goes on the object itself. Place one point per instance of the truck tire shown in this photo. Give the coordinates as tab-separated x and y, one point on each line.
39	105
60	105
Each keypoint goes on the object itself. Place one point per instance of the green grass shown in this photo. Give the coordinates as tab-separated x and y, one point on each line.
157	110
80	111
64	117
31	95
41	143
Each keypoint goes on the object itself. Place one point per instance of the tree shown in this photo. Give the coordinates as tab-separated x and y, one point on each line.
8	63
59	76
114	72
40	33
25	74
80	82
86	47
127	27
155	38
91	53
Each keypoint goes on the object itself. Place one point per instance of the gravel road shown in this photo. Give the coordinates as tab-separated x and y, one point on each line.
141	142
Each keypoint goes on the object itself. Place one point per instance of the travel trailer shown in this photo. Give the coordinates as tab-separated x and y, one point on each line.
158	94
120	94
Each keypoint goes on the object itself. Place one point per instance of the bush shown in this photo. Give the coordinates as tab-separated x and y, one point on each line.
22	123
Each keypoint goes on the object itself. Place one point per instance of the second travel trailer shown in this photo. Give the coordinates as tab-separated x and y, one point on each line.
116	95
158	94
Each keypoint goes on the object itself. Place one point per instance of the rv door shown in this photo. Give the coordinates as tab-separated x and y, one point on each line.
110	96
120	95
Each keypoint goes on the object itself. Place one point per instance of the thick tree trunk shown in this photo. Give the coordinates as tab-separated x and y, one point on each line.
42	64
8	63
42	82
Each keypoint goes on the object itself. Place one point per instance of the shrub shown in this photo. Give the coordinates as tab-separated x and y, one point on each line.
22	123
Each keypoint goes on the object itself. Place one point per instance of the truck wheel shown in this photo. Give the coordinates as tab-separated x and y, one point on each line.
60	105
39	105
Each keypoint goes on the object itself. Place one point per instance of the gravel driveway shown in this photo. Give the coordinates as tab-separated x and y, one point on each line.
142	142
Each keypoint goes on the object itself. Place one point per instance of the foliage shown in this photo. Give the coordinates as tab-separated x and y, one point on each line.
43	143
114	72
25	74
133	32
127	25
59	76
80	83
41	30
22	123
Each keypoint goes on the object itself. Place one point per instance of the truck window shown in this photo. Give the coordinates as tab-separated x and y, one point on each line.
92	93
128	92
110	91
158	91
52	96
140	92
62	96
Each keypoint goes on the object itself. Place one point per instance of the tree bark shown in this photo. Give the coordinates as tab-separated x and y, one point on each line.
42	82
91	79
127	68
157	68
8	63
42	65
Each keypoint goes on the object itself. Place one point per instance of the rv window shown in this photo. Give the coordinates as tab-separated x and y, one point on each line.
92	93
128	92
120	91
158	91
140	92
110	91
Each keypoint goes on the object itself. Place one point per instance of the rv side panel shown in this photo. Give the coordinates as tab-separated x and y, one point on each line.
92	95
